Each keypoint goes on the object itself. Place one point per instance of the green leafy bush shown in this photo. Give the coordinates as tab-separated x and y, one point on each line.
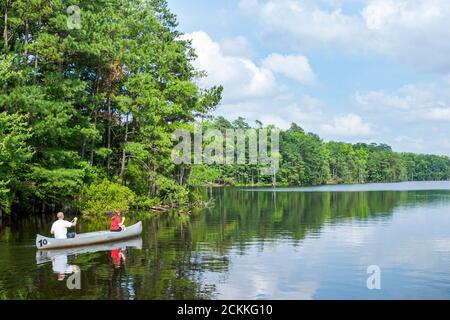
105	196
202	175
146	203
170	191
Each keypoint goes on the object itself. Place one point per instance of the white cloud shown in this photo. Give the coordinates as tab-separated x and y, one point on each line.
413	102
241	77
304	22
248	5
280	111
380	13
236	46
409	143
380	99
350	125
409	31
442	114
311	103
292	66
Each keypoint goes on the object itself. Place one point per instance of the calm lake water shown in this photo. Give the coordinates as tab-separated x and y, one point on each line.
287	243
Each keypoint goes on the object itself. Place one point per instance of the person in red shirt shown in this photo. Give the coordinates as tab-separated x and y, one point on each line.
117	224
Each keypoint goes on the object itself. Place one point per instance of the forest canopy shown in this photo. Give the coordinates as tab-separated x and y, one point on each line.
78	105
305	159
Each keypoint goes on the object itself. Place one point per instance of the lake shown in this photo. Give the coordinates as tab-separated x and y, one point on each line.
254	243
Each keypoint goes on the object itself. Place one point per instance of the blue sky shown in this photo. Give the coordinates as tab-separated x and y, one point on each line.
349	70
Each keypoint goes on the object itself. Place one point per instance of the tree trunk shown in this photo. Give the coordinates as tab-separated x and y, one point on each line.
274	179
94	92
93	140
152	180
36	56
108	140
124	154
5	28
83	149
181	175
26	41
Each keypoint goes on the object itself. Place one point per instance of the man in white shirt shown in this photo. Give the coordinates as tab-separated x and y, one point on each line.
59	227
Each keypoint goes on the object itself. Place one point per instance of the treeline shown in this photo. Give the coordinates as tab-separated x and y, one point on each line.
305	159
93	104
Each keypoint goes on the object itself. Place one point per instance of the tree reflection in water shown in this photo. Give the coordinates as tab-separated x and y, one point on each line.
177	251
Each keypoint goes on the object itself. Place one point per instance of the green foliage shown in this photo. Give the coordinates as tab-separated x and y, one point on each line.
15	154
92	103
423	167
55	185
146	203
202	175
105	196
170	191
306	160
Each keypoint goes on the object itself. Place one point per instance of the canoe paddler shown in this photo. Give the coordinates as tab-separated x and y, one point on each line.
60	226
117	224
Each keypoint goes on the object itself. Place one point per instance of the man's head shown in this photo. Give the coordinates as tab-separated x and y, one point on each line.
60	216
116	212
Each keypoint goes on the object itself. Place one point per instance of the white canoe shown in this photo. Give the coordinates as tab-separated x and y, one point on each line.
43	256
85	239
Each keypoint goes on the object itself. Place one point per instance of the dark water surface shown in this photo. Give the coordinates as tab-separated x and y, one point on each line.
296	243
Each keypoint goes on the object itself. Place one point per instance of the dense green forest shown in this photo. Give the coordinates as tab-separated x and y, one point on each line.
305	159
88	105
87	115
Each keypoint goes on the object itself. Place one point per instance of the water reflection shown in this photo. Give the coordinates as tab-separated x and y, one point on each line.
61	266
118	256
43	256
259	245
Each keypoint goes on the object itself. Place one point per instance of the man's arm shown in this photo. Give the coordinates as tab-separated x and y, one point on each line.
74	222
52	231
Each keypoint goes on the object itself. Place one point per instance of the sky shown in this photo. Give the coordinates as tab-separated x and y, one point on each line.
348	70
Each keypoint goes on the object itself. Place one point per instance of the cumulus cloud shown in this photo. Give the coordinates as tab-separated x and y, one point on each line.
350	125
411	31
292	66
442	114
241	77
305	23
253	90
413	102
236	46
381	100
410	143
278	111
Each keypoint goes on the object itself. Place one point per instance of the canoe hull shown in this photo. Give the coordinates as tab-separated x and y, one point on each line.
85	239
43	256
